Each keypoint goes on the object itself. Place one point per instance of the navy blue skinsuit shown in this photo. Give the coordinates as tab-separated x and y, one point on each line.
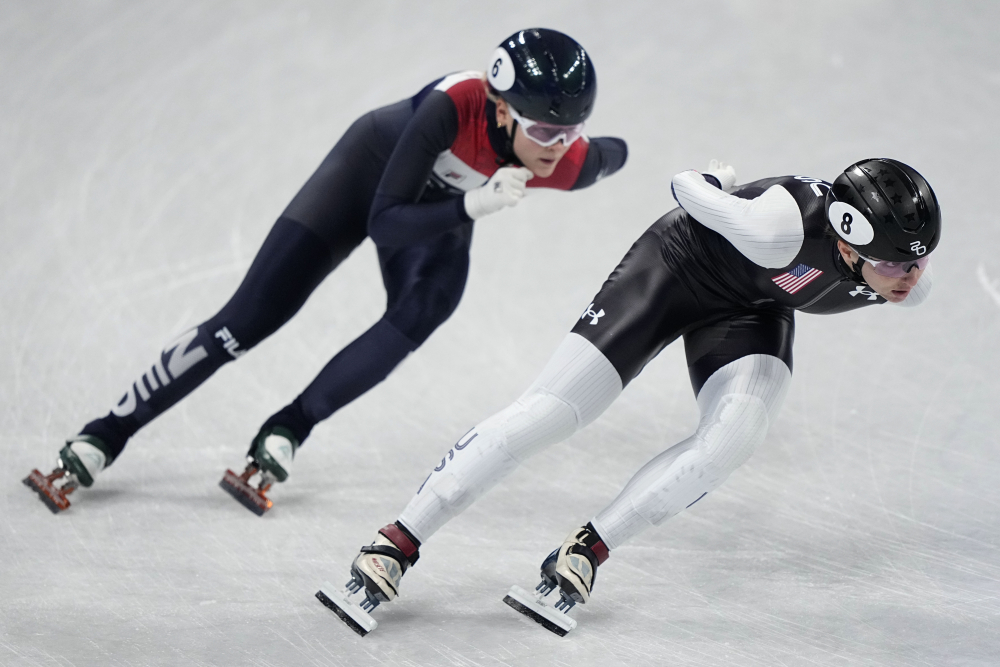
389	177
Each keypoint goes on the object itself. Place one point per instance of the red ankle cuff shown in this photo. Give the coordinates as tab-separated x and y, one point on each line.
601	551
400	539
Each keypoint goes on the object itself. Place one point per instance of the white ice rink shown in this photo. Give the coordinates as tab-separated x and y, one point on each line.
147	147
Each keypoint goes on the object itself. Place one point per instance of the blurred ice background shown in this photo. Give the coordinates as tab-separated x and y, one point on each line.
147	147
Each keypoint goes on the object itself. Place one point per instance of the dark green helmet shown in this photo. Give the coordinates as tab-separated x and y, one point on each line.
545	75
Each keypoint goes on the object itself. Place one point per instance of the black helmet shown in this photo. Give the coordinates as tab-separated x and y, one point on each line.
885	210
545	75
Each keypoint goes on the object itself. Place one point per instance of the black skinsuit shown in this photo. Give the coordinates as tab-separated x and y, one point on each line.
683	279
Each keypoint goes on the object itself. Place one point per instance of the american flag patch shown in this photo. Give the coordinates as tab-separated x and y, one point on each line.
797	278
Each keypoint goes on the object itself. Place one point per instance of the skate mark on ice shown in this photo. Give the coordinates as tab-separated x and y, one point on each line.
990	287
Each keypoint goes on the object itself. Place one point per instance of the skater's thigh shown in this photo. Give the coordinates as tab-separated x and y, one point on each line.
290	264
762	331
424	282
644	305
336	200
580	375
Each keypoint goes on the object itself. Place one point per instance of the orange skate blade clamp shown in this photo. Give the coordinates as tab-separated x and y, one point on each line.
250	497
53	496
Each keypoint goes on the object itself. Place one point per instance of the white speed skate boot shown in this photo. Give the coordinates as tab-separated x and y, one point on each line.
271	455
80	460
572	568
377	570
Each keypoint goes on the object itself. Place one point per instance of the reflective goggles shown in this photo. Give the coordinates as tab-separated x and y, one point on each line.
895	269
547	134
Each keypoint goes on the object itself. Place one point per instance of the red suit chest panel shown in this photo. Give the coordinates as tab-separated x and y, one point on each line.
471	160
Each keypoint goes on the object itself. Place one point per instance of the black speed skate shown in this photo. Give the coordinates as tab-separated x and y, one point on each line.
572	569
377	571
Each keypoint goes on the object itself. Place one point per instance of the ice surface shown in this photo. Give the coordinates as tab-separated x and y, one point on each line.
146	149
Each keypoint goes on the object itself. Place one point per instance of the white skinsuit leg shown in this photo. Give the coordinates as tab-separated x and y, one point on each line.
737	405
576	386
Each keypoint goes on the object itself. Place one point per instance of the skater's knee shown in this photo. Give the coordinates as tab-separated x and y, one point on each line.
729	435
535	421
580	375
683	474
286	270
759	375
422	310
574	388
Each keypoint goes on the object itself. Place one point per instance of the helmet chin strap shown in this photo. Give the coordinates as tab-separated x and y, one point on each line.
855	270
509	156
501	139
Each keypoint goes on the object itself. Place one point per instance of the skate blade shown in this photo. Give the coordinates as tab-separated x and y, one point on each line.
249	497
349	612
533	606
50	495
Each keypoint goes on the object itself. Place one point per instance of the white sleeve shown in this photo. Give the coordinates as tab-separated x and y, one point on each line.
767	230
920	291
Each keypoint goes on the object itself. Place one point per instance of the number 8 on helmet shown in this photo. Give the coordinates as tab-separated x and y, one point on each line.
886	211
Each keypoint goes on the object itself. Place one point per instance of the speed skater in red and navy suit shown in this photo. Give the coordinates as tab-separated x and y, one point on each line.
726	271
413	176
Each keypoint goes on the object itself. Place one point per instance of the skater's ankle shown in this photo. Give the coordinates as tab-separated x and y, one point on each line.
402	539
83	457
112	431
380	566
596	544
293	419
273	450
576	564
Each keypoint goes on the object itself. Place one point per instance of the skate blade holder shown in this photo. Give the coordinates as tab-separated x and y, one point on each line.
239	488
53	497
533	606
349	612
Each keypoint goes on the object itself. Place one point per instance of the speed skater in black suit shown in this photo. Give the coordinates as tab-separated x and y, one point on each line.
725	271
413	176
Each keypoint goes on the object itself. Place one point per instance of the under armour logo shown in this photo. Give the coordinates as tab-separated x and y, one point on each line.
872	295
591	314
